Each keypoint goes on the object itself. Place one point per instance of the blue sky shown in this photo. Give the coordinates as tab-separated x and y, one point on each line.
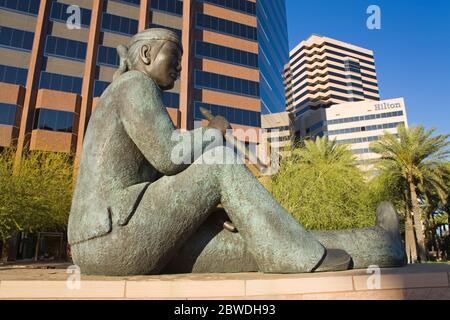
412	49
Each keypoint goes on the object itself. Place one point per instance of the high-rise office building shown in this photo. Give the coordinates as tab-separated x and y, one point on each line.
356	124
332	90
51	74
324	72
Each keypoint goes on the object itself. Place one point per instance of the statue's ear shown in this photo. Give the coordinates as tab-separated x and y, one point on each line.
145	54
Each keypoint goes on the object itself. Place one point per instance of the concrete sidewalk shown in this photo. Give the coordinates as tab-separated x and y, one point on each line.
34	265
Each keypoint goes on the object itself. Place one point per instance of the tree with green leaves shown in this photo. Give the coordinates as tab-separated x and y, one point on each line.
37	196
416	161
323	188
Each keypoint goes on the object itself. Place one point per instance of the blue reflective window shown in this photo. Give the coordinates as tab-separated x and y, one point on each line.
245	6
65	48
115	23
6	36
66	83
25	6
171	100
60	82
213	51
8	114
366	128
99	87
107	56
367	117
124	26
59	12
226	26
234	115
106	21
119	24
170	6
13	75
81	51
225	83
14	38
133	2
53	120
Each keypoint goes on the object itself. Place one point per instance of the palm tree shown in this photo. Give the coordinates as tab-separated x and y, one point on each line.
325	151
320	185
418	158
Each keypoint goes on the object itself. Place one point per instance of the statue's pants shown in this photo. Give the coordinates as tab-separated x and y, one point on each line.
174	208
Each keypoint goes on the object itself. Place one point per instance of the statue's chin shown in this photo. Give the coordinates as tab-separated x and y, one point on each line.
167	87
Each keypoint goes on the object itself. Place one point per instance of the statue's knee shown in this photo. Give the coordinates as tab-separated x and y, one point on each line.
221	155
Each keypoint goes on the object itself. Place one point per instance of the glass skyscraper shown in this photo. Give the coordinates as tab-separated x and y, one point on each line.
273	53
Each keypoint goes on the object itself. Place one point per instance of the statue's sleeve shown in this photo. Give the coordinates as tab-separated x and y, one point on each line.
148	124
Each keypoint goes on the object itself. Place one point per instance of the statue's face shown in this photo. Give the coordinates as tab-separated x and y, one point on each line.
166	67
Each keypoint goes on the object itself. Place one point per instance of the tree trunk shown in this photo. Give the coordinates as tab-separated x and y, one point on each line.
5	251
418	225
434	241
410	241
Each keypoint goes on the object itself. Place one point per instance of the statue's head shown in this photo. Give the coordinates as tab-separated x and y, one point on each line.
155	52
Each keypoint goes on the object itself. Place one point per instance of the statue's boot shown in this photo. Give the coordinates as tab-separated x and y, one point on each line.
387	219
334	260
379	246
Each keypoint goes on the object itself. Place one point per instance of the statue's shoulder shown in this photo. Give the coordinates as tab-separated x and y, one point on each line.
135	80
134	88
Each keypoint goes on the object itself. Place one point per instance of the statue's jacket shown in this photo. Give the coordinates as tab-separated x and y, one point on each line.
127	146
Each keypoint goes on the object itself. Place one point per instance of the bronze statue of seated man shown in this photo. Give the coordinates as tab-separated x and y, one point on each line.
136	212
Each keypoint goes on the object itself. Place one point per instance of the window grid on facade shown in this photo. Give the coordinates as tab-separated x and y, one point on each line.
17	39
23	6
107	56
367	117
132	2
171	99
100	87
59	12
247	7
226	54
169	6
360	140
234	115
226	26
220	82
65	48
13	75
60	82
118	24
53	120
7	114
365	128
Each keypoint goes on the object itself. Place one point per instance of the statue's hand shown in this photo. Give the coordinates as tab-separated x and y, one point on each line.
219	123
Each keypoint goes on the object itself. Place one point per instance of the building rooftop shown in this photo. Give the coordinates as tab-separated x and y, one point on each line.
316	38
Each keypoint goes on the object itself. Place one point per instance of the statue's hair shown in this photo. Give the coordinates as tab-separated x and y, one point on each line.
155	37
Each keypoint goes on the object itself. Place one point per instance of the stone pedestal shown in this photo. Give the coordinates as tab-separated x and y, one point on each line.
428	281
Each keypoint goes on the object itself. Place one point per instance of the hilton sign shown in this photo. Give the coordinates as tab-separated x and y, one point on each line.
387	106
